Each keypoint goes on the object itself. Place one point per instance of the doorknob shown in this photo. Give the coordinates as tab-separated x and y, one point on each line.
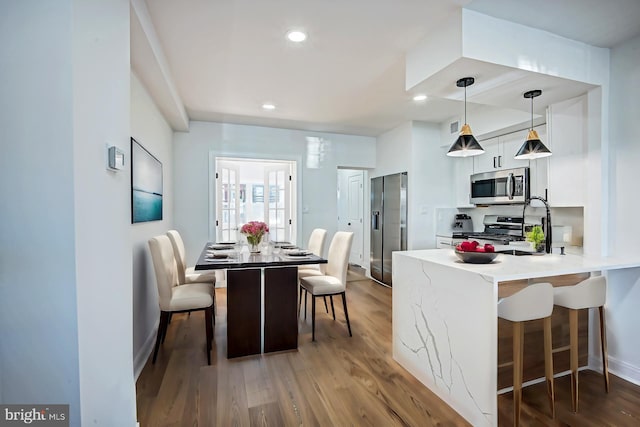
348	223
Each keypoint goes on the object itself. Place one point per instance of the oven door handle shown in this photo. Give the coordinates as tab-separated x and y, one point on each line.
511	182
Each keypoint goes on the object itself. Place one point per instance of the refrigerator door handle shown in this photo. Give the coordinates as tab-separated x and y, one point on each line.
375	220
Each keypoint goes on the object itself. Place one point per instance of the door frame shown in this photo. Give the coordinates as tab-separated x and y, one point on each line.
296	195
363	262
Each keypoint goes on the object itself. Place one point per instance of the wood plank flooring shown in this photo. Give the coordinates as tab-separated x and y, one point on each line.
335	381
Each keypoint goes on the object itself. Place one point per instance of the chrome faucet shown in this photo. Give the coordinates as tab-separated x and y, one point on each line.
547	231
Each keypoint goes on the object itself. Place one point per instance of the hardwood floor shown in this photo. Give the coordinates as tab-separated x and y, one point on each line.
334	381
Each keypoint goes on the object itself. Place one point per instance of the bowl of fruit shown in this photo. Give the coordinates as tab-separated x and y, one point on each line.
474	253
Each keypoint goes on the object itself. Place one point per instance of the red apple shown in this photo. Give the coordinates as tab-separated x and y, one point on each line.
489	248
466	246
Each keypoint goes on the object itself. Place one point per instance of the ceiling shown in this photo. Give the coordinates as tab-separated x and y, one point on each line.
220	60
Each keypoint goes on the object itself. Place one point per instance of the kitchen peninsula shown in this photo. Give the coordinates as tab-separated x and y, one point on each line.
445	329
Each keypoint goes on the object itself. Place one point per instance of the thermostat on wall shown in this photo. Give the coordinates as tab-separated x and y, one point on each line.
116	158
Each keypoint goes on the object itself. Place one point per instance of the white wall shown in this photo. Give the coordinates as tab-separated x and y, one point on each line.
65	302
316	186
623	294
393	151
150	129
430	184
415	148
38	313
101	198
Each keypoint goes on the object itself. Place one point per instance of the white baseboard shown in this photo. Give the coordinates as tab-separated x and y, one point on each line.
619	368
141	357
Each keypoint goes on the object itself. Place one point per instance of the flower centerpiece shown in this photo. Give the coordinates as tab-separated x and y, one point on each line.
254	230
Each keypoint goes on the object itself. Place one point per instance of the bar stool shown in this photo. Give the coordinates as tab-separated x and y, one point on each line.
589	293
532	303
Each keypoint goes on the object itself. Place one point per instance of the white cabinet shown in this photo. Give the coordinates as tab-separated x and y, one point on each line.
538	168
499	152
567	140
444	242
538	174
488	160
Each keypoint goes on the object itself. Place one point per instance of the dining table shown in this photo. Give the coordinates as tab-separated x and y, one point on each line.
262	295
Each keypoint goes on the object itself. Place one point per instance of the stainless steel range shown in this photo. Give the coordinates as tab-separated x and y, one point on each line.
500	229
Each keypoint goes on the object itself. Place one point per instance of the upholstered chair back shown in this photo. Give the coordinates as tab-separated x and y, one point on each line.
164	264
180	253
338	260
316	245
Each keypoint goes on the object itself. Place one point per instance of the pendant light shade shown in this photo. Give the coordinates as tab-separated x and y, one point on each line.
532	148
466	145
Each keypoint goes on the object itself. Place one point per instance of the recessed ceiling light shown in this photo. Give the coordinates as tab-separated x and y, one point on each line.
268	106
296	36
420	97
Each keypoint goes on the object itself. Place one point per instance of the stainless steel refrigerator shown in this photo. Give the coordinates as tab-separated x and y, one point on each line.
388	223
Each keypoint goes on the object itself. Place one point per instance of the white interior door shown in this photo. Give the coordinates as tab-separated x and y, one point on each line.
354	214
277	205
228	202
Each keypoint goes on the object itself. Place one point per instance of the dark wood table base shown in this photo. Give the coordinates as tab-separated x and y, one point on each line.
245	309
280	309
244	302
262	293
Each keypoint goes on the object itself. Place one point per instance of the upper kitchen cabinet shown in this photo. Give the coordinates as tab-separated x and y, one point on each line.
499	152
567	140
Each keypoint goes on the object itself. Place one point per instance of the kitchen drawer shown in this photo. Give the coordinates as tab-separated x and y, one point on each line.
443	242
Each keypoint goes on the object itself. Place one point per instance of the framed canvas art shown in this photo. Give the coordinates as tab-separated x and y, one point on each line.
146	185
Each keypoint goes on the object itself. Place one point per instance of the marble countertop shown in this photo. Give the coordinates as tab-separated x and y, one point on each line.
510	267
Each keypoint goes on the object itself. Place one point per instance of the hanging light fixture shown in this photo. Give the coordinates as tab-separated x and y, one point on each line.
466	144
532	148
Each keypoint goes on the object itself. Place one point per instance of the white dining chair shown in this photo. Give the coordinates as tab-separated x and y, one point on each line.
589	293
189	274
315	246
334	281
531	303
175	298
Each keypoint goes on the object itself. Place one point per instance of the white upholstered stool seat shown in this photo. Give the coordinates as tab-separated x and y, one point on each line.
589	293
532	303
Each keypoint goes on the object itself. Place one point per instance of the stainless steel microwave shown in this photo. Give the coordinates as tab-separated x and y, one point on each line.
507	186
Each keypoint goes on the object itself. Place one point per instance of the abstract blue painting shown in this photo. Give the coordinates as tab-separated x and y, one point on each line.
146	185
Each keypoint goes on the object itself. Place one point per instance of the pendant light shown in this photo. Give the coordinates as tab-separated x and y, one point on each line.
466	144
532	148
